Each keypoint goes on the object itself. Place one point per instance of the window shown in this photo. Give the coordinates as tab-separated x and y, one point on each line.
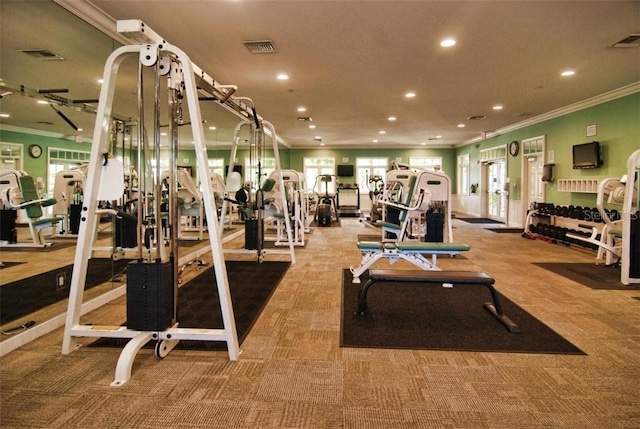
368	167
314	167
463	175
268	166
10	156
533	146
431	163
493	153
64	159
216	165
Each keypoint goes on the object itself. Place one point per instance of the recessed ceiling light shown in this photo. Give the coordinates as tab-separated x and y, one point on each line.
410	94
80	129
568	73
461	125
391	118
312	127
382	132
164	134
318	137
438	136
212	127
100	81
42	102
321	144
423	144
375	140
448	42
302	109
4	115
283	76
498	107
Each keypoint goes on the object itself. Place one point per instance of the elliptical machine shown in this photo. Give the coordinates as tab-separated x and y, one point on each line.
326	208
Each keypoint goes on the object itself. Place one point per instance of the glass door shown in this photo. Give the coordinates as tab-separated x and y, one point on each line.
497	196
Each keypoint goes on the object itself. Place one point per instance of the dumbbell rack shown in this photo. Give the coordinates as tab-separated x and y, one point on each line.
555	222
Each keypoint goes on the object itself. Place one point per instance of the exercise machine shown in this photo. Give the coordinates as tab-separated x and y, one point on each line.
607	240
254	222
150	280
326	210
411	251
630	263
376	189
68	191
189	202
297	206
348	210
18	192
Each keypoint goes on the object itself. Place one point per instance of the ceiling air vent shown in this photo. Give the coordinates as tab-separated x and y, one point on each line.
42	54
44	123
476	117
260	46
631	41
304	119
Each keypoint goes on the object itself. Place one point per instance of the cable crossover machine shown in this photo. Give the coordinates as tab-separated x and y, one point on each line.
152	278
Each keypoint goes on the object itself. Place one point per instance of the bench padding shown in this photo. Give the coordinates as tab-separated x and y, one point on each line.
419	276
439	277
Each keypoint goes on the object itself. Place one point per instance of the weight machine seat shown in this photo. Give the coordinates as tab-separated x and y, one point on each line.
399	229
439	277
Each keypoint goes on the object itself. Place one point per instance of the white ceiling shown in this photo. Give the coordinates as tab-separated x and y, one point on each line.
350	62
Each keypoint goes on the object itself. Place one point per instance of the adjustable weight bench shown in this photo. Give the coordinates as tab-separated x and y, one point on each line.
410	251
439	277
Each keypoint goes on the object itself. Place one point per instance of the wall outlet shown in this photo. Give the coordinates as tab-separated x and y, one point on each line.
61	280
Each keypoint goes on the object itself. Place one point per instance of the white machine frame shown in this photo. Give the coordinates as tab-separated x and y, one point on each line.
629	211
186	74
280	182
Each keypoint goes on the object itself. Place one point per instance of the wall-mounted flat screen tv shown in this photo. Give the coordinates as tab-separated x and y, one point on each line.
587	155
345	170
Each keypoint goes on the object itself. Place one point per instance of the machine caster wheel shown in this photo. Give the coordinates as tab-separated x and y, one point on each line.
164	347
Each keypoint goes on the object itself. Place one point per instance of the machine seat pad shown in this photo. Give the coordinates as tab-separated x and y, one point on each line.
421	276
46	221
426	246
615	233
386	224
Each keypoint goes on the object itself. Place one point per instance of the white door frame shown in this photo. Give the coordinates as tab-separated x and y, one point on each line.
534	146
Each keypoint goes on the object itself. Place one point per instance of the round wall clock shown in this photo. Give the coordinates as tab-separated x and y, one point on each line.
35	151
514	148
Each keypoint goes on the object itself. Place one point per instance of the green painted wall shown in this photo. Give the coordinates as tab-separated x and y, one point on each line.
618	131
37	167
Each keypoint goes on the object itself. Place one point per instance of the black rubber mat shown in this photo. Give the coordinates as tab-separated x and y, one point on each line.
428	316
590	275
251	285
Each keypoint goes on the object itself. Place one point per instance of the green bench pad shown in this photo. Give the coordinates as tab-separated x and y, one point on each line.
425	246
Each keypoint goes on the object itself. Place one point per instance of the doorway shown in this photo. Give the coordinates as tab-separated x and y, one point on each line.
533	160
496	198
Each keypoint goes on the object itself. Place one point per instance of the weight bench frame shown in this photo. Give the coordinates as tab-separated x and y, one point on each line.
410	251
439	277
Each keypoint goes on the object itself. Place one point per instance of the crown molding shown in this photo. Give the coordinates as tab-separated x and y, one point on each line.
590	102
